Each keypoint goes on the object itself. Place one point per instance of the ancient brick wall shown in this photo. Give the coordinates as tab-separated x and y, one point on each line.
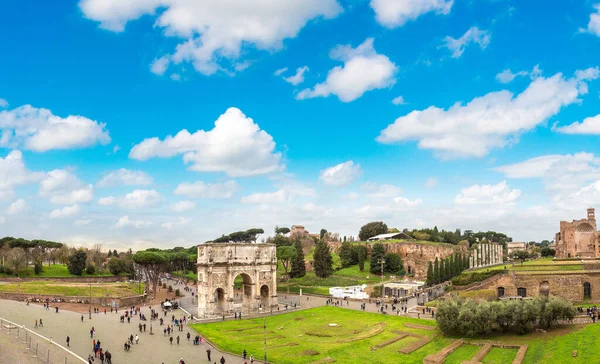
569	286
416	256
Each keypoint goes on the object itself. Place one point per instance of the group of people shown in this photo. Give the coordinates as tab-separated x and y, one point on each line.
99	353
593	312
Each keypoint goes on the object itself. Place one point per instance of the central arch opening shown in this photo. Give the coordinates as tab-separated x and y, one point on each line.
264	296
219	297
242	290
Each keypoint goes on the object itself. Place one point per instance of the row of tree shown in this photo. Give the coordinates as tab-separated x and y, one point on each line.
445	269
247	236
469	318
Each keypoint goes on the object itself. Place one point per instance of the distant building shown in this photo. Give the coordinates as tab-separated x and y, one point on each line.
402	289
578	238
391	236
357	292
515	246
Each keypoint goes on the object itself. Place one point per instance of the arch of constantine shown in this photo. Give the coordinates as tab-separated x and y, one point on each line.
219	264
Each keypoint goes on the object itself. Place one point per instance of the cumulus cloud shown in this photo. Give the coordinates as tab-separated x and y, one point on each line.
507	76
125	222
363	70
13	173
298	78
181	206
487	122
124	177
173	224
280	71
62	187
395	13
136	199
499	194
431	182
17	207
589	126
82	222
39	130
214	33
3	103
340	175
200	189
472	36
594	24
398	100
236	146
64	212
374	190
284	194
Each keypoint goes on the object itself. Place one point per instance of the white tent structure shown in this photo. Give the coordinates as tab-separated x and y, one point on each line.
357	292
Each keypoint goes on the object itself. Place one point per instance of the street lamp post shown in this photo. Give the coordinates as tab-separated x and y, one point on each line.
90	309
382	262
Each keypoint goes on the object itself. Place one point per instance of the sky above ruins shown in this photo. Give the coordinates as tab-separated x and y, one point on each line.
169	122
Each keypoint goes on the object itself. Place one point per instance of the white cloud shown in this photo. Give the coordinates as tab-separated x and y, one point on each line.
17	207
363	70
473	35
215	33
175	77
82	222
374	190
116	148
13	173
280	71
236	146
39	130
173	224
298	78
491	121
589	126
200	189
285	194
507	76
125	221
499	194
3	103
64	212
398	100
387	209
62	187
340	175
395	13
431	182
181	206
136	199
159	65
124	177
594	23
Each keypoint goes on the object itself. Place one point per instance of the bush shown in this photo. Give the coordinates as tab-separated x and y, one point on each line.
177	292
468	318
37	268
548	252
472	277
170	288
76	263
90	269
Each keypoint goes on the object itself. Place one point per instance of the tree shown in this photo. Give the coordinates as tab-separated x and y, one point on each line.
429	274
109	254
436	271
377	255
285	254
347	255
16	259
443	277
281	240
323	261
322	234
77	262
393	264
372	229
252	234
361	255
115	254
548	252
152	263
298	264
281	230
116	266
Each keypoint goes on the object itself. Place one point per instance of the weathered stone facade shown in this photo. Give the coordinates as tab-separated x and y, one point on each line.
416	256
578	238
573	286
218	266
486	254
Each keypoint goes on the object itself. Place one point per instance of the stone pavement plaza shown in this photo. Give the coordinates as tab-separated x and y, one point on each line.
112	334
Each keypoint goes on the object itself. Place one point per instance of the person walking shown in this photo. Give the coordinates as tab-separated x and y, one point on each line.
137	339
188	336
177	339
251	359
208	353
36	324
68	341
244	354
81	318
41	323
222	361
171	339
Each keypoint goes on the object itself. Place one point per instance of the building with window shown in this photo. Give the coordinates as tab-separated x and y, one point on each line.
578	238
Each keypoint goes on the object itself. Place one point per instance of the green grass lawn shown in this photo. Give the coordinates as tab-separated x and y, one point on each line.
117	289
500	356
463	353
189	275
306	337
55	271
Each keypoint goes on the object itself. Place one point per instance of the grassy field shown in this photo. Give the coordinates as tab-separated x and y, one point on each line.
54	271
189	275
306	337
464	353
117	289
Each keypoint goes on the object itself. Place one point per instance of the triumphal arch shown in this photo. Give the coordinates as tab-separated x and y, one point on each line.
219	264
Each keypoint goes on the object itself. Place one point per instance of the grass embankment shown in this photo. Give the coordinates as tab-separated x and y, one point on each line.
189	275
351	276
116	289
54	271
306	337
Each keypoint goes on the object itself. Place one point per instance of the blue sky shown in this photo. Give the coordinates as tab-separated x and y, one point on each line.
331	113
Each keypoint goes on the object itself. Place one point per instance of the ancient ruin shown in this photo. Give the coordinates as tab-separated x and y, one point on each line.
219	264
486	254
579	238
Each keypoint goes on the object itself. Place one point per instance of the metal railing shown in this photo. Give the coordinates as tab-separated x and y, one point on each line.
39	347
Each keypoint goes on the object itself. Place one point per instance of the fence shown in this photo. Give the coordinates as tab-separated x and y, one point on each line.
37	347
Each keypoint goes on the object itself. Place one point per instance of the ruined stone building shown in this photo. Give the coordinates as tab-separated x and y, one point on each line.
579	238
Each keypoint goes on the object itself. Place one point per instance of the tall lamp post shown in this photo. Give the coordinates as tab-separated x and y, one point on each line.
90	309
382	262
